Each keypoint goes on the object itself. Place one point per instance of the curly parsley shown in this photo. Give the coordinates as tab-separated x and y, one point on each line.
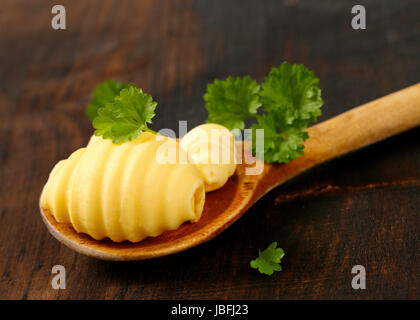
268	260
289	97
103	94
125	116
231	101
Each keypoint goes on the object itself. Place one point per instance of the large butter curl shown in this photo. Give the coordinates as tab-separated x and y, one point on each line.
211	147
121	192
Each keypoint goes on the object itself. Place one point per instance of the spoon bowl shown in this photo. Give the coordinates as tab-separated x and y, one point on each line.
357	128
220	210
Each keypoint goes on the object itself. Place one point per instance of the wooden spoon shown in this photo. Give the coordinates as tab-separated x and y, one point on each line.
359	127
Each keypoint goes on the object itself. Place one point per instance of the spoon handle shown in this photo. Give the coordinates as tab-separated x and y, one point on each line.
354	129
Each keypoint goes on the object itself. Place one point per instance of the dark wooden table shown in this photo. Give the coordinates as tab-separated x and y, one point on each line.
360	209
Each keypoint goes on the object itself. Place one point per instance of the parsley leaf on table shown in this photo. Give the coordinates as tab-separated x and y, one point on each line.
124	118
103	94
229	102
268	260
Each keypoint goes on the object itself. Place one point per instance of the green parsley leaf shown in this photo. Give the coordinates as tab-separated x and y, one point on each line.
268	260
292	91
290	98
103	94
229	102
124	118
282	143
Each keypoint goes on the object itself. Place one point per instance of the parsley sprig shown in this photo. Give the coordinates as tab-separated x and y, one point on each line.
122	111
268	260
289	97
231	101
103	94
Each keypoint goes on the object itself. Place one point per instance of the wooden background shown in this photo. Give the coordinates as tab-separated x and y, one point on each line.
359	209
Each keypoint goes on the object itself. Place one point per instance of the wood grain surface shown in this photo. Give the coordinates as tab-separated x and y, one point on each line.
362	208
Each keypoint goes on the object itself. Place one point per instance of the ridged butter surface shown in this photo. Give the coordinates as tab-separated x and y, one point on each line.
122	192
